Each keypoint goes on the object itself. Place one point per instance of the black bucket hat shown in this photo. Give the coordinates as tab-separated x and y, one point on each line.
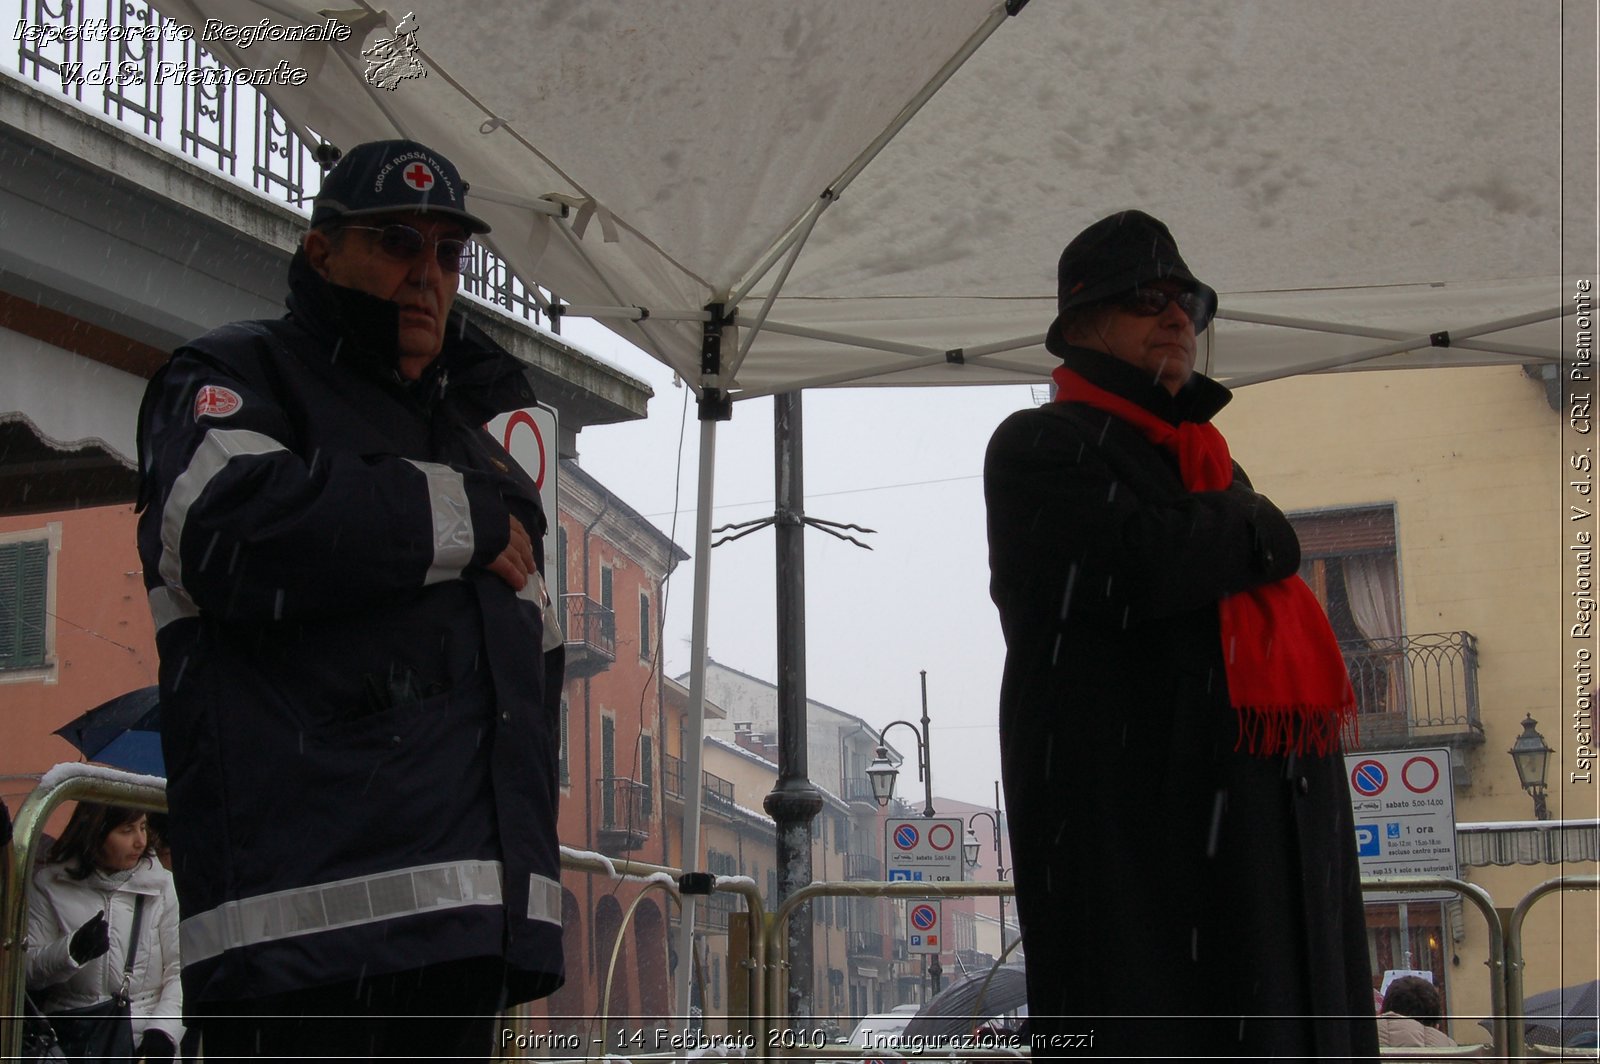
383	176
1114	256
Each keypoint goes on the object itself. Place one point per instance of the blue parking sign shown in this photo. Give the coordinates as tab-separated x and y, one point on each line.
1367	844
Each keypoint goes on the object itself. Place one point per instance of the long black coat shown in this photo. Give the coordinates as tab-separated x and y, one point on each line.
1160	873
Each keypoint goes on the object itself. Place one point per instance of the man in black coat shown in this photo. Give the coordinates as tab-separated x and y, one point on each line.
1185	868
360	681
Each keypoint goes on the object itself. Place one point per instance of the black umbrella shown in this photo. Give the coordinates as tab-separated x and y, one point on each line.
961	1008
1565	1016
123	733
1558	1017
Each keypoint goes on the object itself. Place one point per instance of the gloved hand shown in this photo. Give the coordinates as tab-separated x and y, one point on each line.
90	940
155	1045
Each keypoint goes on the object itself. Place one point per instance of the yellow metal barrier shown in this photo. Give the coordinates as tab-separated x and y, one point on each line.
1496	962
766	962
777	925
1516	1046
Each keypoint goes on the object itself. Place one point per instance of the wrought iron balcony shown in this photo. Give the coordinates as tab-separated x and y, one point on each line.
624	821
717	793
866	944
862	866
591	631
1415	690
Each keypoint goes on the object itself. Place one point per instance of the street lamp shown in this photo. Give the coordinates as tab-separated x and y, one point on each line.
1531	754
970	847
881	773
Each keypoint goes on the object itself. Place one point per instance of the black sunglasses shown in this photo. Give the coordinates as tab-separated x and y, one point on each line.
1148	302
403	243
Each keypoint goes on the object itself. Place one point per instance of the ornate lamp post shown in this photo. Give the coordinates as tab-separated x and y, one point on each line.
1531	754
881	773
970	847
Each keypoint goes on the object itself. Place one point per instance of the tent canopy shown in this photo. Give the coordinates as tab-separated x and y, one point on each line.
1394	171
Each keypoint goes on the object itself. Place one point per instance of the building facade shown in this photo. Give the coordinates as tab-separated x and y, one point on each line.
1431	510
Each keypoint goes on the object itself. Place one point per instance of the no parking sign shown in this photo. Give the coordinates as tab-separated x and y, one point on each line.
529	436
924	920
924	849
1404	806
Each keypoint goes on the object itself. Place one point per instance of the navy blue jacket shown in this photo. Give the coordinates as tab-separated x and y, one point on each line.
359	723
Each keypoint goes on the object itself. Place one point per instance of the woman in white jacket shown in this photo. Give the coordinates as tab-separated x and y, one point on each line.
80	915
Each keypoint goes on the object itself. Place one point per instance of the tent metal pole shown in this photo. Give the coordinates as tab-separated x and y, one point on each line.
1456	340
634	313
1412	344
846	376
794	801
910	110
800	232
865	342
694	791
1399	347
766	305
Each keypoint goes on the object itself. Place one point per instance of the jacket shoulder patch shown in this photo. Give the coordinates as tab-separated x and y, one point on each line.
213	400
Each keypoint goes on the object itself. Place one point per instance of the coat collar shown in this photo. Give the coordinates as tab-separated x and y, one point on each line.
148	877
480	374
1198	400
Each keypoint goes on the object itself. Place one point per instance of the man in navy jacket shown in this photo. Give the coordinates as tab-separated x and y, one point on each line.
359	679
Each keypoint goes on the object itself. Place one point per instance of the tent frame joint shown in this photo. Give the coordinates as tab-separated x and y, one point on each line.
1440	338
716	403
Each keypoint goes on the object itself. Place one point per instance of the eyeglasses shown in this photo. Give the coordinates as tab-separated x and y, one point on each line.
1148	302
403	243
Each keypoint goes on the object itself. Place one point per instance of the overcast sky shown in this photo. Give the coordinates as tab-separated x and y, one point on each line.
906	462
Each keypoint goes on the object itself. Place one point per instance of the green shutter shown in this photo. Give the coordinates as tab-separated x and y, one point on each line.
647	769
24	579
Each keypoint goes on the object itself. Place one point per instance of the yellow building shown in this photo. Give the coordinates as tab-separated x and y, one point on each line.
1444	517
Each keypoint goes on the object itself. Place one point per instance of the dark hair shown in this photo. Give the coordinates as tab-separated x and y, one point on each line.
1414	996
86	832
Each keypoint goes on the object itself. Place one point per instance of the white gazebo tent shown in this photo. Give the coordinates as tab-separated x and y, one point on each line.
874	193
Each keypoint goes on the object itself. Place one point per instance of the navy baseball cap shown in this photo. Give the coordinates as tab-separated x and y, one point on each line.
383	176
1113	257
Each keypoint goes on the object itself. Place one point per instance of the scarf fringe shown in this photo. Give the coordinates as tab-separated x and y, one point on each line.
1278	731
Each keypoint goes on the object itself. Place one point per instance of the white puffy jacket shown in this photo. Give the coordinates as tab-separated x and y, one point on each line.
58	905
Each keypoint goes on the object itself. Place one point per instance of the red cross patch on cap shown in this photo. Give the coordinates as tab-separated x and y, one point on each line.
214	400
418	176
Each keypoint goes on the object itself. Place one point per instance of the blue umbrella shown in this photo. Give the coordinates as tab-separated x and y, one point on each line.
123	733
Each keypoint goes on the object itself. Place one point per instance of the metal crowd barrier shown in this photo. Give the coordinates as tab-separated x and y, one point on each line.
1515	961
1498	998
764	959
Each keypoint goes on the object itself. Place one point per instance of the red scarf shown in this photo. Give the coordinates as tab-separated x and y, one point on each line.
1286	677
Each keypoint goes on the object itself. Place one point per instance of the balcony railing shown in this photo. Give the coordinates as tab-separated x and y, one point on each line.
717	792
102	56
1415	690
866	943
859	866
624	822
591	631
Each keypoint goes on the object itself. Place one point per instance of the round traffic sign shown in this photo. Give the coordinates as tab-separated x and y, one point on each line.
1369	778
941	837
906	836
1420	775
923	917
536	468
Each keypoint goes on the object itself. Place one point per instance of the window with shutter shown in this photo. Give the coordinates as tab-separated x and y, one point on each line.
24	584
644	626
647	772
562	763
